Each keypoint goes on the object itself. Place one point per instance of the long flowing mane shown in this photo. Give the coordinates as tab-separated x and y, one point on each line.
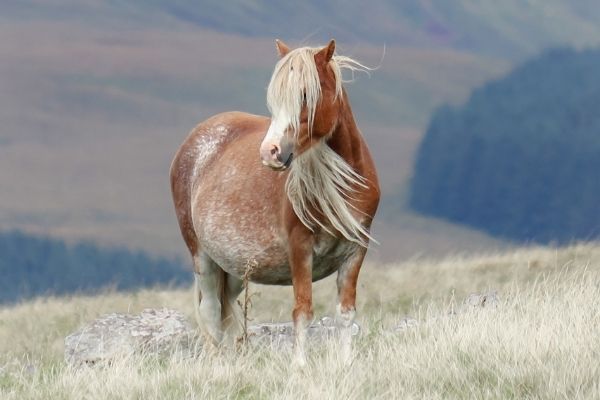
319	179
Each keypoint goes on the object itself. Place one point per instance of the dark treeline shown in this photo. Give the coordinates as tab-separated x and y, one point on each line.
521	159
37	266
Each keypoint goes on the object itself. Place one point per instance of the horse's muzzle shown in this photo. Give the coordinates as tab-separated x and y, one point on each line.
280	166
277	156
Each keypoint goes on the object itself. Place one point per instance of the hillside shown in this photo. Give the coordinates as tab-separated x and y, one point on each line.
92	117
33	266
96	97
539	342
512	28
520	158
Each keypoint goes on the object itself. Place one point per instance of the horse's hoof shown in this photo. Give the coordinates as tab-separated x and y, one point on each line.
300	361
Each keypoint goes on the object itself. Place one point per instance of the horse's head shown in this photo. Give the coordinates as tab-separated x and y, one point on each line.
304	98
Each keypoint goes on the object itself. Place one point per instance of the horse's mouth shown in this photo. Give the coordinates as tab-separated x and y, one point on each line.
285	165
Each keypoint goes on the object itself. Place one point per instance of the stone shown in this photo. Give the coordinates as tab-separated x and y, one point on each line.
112	336
405	324
481	300
280	335
168	332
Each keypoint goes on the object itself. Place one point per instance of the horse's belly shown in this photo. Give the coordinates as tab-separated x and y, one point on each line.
238	240
267	263
236	251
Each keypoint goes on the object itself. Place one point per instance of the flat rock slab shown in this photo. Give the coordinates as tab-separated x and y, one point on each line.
168	332
120	335
280	335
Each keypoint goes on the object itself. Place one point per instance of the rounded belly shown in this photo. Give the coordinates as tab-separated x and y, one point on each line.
266	262
238	237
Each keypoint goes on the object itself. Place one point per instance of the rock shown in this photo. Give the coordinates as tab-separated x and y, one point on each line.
481	300
121	335
167	332
280	335
405	324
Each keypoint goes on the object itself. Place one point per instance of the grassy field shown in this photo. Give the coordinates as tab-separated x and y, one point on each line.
541	341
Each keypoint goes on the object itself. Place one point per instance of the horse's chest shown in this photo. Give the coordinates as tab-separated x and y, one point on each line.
330	254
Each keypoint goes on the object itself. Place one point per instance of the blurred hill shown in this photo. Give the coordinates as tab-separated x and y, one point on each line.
511	28
95	97
528	161
34	266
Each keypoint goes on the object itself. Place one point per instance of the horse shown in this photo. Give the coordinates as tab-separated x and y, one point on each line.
294	194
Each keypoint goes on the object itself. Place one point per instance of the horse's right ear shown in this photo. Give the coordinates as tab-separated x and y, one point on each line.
282	48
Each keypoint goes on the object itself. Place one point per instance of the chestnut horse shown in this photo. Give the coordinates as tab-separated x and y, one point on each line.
298	221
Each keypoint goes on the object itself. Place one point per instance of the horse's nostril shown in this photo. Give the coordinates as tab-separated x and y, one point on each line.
274	150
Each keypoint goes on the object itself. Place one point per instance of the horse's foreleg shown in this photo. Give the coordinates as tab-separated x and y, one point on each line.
301	268
346	308
207	289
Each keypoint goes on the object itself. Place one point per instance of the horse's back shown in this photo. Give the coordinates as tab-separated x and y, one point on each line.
210	137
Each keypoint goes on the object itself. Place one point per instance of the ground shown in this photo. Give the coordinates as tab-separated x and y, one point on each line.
540	341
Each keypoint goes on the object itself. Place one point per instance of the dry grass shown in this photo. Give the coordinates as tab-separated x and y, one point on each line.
540	342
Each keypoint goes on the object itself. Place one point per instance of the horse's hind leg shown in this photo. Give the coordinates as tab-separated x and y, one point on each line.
346	308
215	295
207	289
231	311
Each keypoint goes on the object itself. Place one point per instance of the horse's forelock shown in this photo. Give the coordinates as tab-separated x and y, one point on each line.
296	74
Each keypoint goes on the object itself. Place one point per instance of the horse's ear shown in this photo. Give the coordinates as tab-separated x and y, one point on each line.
282	48
324	55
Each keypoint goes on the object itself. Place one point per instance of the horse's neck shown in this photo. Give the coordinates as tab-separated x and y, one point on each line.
346	138
325	179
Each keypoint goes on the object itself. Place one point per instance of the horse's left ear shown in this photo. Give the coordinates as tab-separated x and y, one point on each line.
324	55
282	48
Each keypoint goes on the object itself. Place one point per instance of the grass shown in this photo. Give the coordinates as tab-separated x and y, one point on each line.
541	340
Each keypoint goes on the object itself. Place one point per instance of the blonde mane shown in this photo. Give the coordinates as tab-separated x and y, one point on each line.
296	75
319	179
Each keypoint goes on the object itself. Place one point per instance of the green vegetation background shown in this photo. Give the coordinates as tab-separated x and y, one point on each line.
521	158
39	266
